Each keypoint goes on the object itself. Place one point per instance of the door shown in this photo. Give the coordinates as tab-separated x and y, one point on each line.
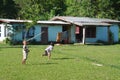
79	33
44	36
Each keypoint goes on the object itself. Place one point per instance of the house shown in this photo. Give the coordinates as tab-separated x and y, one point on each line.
16	30
91	30
50	29
12	28
64	29
2	30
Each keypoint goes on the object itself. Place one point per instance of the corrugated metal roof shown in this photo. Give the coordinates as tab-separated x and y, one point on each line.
74	19
53	22
94	24
85	20
106	20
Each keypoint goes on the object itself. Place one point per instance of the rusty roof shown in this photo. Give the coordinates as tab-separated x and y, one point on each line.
14	20
85	20
53	22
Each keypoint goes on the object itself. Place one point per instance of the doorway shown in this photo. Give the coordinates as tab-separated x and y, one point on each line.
65	34
44	36
79	33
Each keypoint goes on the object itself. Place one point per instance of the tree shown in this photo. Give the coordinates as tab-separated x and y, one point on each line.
9	9
30	12
94	8
78	8
52	7
1	8
115	4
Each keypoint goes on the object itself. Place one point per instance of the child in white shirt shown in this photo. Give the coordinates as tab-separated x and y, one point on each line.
48	50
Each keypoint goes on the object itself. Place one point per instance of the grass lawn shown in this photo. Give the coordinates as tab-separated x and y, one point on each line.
68	62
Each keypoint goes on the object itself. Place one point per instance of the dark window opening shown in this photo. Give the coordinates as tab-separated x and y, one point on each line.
91	32
31	32
0	28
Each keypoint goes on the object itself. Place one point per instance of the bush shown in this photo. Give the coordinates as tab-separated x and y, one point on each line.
7	41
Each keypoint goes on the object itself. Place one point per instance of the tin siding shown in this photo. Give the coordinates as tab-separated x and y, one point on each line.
53	31
115	31
37	31
102	34
18	35
72	34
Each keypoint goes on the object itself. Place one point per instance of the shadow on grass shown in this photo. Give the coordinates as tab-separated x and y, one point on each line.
10	46
101	44
109	65
62	58
91	60
45	63
114	66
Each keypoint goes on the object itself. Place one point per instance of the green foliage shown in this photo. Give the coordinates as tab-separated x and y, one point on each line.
94	8
8	9
68	62
7	41
45	9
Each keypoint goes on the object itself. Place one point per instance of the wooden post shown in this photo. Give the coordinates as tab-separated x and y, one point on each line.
83	41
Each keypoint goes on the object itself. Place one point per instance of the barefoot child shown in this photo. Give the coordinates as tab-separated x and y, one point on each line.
25	52
48	50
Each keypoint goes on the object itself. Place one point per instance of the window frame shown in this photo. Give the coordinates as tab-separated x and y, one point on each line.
90	32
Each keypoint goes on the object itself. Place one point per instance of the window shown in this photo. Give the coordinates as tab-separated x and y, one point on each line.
28	34
91	32
0	28
31	32
0	31
5	31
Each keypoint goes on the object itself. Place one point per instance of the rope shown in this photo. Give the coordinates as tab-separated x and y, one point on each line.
35	36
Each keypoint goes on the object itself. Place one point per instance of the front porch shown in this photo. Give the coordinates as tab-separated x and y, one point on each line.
90	34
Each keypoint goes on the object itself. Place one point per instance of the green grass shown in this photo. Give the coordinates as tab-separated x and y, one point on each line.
68	62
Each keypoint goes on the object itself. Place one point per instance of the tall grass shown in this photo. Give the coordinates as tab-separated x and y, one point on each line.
68	62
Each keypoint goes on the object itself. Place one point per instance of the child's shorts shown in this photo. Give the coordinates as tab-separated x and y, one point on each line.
25	54
48	51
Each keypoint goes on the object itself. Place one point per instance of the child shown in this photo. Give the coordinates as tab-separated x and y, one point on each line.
25	52
48	50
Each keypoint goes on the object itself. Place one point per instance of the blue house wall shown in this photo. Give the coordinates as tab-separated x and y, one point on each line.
37	31
18	35
53	31
115	30
72	34
102	34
